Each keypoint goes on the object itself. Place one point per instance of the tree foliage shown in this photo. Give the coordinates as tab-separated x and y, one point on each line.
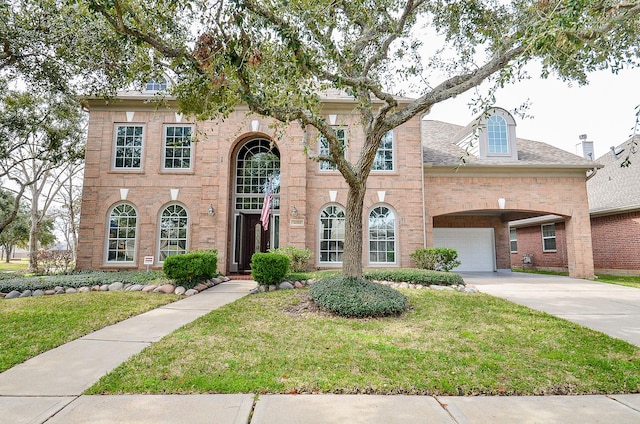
276	56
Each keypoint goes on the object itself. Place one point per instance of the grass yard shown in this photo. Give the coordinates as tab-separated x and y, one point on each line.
448	343
630	281
14	265
36	324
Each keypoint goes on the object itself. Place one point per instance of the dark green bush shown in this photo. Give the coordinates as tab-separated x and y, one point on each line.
354	298
269	268
436	259
298	258
191	268
77	280
415	276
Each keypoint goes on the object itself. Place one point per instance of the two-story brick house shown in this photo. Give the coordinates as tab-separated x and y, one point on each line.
157	183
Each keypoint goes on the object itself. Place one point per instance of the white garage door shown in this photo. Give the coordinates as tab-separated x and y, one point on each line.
475	246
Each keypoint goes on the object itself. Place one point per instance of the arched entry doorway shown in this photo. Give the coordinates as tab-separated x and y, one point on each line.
256	170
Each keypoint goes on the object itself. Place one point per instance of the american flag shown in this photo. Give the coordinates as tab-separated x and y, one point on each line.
266	207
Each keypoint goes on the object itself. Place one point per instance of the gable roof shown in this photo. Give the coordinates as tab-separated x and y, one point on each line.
613	188
439	149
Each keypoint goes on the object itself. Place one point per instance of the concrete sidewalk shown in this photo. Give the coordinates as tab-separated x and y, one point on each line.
47	388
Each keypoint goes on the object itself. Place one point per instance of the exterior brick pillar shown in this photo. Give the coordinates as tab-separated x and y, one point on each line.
579	249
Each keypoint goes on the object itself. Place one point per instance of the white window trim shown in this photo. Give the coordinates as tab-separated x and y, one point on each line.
548	238
345	148
395	236
508	141
115	147
164	148
320	236
107	238
393	155
159	226
515	231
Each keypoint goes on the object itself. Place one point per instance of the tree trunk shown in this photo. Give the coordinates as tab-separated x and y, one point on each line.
34	231
352	259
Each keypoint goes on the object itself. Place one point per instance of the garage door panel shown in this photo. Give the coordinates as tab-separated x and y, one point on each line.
475	246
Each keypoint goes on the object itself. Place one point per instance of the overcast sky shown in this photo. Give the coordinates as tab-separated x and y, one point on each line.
604	109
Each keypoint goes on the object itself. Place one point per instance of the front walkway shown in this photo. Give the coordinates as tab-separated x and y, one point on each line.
609	308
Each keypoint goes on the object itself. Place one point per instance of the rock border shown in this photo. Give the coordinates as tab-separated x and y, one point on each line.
288	285
119	286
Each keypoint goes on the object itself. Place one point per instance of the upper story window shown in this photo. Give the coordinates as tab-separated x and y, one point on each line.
497	136
121	242
549	238
128	147
178	146
341	134
384	155
156	84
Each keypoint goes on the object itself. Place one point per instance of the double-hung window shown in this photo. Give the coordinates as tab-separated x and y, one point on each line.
549	238
384	155
178	147
341	134
332	232
128	147
513	240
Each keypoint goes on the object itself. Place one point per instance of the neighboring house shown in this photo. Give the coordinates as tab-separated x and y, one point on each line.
614	207
151	190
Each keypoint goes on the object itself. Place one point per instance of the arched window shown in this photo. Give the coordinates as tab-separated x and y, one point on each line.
173	231
121	244
382	235
257	166
332	234
497	138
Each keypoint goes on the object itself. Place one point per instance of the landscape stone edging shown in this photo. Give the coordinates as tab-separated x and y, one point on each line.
118	286
288	285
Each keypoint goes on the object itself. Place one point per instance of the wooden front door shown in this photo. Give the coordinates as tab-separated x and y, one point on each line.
253	235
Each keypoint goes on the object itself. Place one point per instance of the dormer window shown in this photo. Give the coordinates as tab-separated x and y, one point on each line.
156	84
490	137
497	135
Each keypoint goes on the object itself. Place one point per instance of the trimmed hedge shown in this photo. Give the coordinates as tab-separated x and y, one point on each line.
353	298
191	268
76	280
415	276
269	268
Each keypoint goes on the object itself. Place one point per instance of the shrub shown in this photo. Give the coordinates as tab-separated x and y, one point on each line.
269	268
436	259
354	298
191	268
415	276
298	258
78	279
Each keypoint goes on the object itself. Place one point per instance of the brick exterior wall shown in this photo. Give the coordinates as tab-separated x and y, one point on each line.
211	182
420	197
530	242
616	243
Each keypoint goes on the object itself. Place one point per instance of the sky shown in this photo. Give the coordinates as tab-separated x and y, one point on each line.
604	109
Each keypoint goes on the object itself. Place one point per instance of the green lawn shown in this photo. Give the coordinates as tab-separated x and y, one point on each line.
36	324
630	281
448	343
14	265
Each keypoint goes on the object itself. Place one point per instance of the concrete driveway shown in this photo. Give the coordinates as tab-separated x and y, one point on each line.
609	308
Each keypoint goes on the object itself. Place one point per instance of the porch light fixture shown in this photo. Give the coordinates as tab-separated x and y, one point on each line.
211	210
502	202
294	211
